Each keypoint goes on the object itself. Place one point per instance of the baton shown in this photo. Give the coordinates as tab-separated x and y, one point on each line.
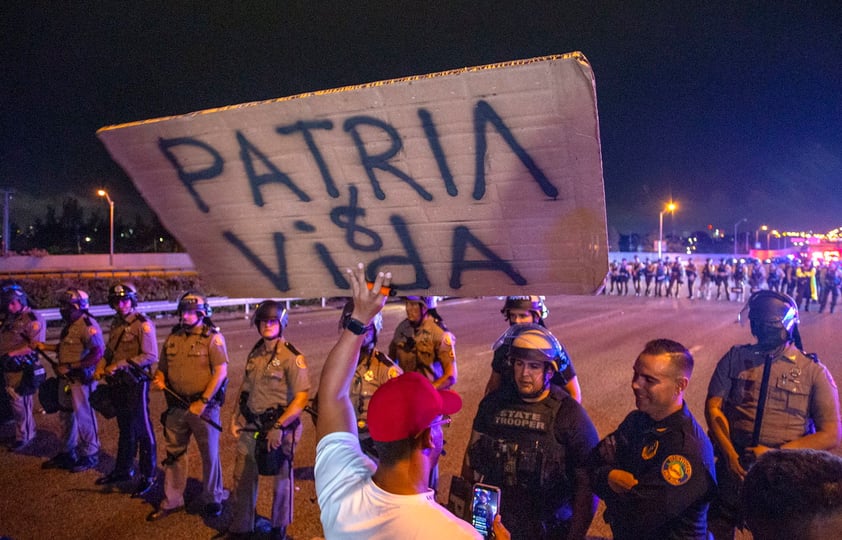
148	378
39	351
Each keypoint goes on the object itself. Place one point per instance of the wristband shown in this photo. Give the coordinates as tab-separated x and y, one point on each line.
357	327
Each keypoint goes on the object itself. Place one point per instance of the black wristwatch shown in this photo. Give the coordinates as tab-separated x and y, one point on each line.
357	327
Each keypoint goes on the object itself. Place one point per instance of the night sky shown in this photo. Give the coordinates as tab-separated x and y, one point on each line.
734	109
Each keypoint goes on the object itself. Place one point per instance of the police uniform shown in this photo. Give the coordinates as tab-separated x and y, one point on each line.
275	373
672	460
373	369
78	342
691	273
132	339
426	348
532	452
186	361
801	393
18	331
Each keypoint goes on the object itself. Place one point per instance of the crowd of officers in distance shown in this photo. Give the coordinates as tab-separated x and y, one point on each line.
807	280
381	414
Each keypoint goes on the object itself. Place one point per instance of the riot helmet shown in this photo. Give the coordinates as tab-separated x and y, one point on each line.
530	343
533	342
271	310
773	317
74	297
194	301
71	301
424	301
532	304
11	292
122	291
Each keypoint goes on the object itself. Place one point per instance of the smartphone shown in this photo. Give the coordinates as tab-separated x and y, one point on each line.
485	504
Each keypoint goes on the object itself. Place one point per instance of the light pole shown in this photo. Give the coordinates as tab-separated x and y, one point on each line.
737	224
670	207
103	193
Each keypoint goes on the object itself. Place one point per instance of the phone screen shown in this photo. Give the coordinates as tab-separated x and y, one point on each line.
485	504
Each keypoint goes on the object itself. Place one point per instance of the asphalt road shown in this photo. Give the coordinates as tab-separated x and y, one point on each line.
602	334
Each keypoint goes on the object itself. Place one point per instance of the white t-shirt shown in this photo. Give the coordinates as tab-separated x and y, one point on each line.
354	507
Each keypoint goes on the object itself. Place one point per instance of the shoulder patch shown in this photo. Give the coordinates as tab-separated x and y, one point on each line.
146	327
92	330
448	339
676	470
217	340
36	325
392	373
300	362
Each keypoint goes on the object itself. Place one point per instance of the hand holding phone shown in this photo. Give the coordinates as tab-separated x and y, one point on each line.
485	504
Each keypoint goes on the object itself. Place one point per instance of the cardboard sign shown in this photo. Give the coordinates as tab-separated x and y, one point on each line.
479	181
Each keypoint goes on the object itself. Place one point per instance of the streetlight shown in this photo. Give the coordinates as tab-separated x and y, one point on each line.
735	233
670	207
777	235
103	193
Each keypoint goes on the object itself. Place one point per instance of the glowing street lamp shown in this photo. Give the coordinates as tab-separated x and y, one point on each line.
670	207
103	193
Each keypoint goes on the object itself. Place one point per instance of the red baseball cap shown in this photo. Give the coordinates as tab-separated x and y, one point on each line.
405	406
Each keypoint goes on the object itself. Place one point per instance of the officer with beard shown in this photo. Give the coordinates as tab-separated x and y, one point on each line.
132	345
529	310
765	396
20	327
532	439
80	349
193	365
274	392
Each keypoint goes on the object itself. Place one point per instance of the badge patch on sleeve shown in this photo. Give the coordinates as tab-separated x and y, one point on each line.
300	362
147	328
676	470
92	330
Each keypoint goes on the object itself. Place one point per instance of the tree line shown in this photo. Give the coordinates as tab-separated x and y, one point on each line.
73	230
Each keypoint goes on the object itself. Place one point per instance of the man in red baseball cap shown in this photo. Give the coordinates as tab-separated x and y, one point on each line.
391	499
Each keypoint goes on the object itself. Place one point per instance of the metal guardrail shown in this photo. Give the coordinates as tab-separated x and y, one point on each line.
102	310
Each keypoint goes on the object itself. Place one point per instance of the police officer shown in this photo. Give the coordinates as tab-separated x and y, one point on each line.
422	344
656	471
194	366
691	272
805	284
723	276
637	271
131	349
831	281
763	396
676	277
80	349
20	328
267	422
532	440
528	310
